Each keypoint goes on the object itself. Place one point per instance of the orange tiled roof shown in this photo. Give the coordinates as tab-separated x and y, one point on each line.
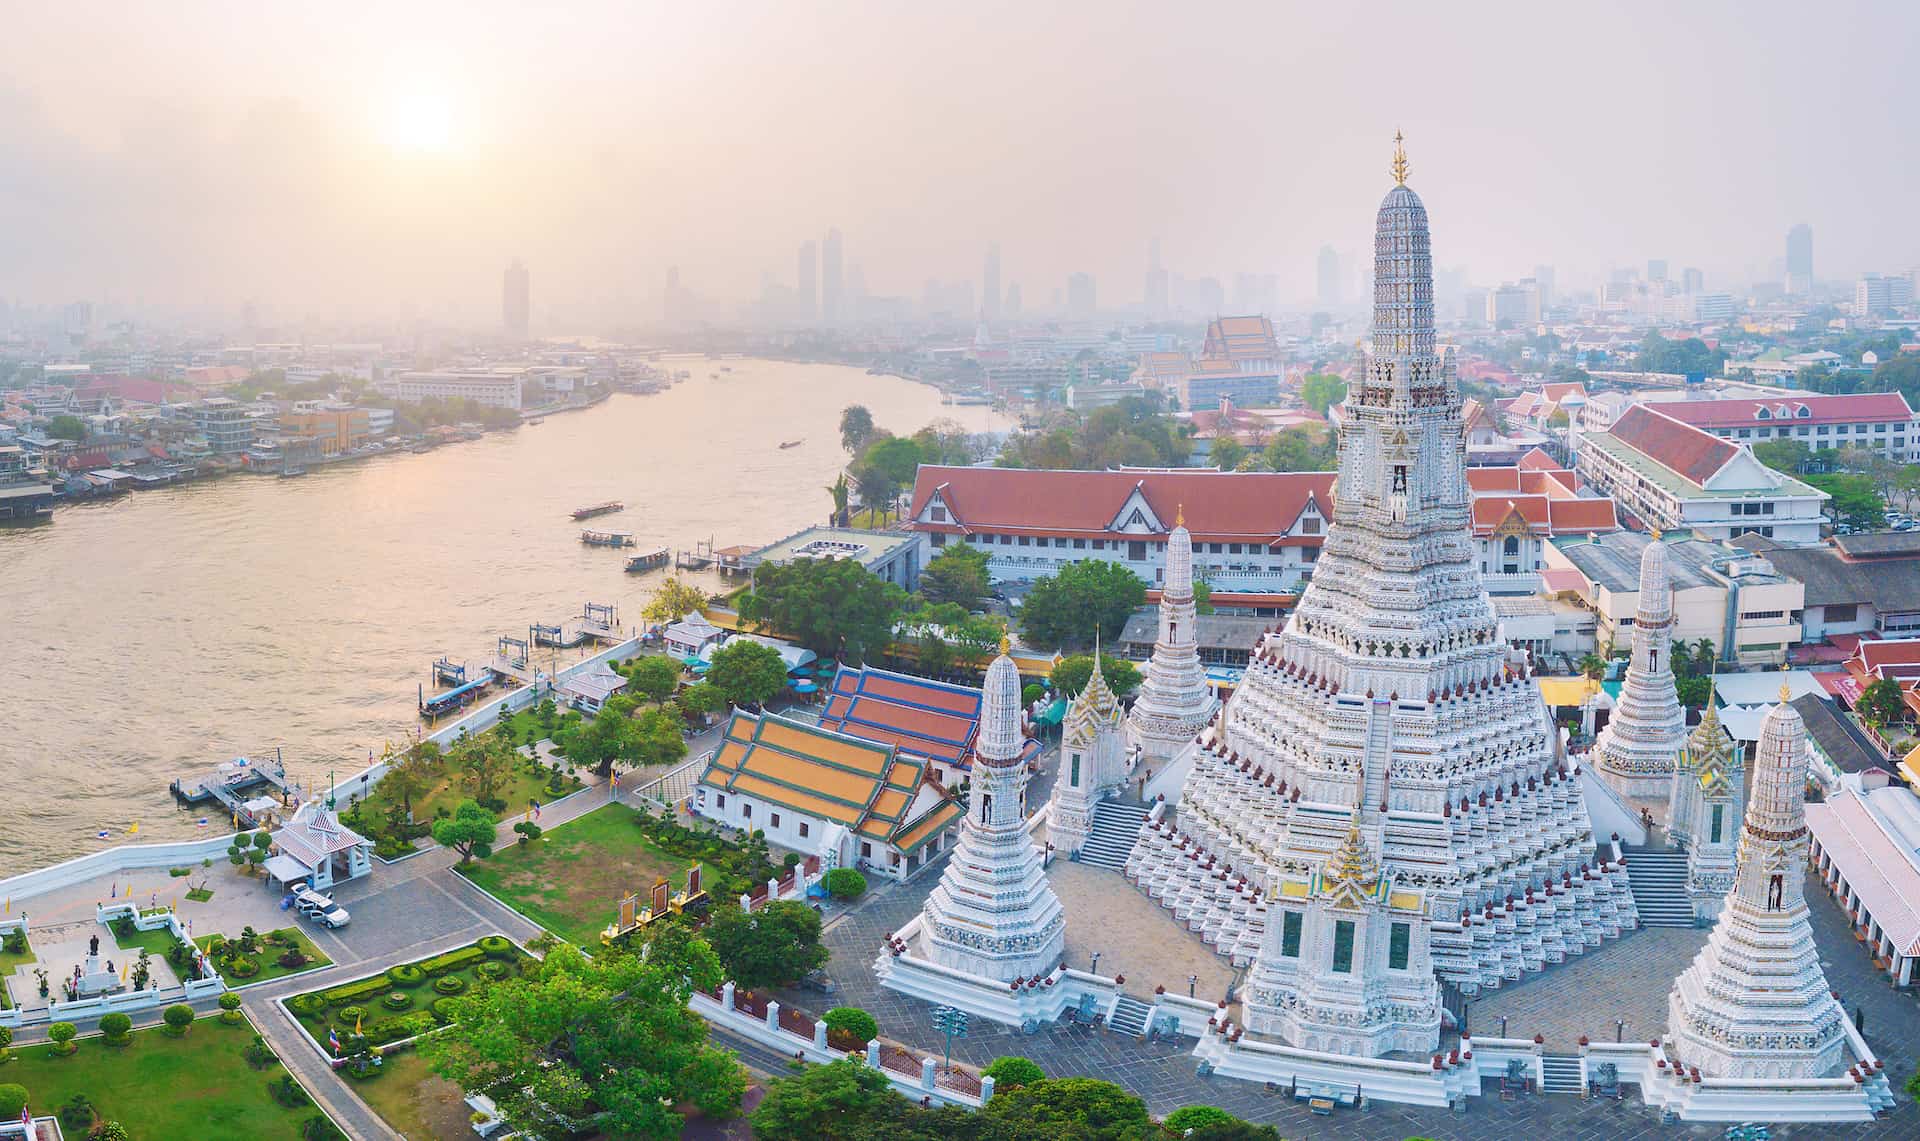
1695	455
927	718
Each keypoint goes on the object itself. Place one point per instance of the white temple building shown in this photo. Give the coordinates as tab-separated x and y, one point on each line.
994	914
1754	1003
1636	751
1174	701
1703	816
1389	693
1093	761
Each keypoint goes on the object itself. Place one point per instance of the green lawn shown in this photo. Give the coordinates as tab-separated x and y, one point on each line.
157	942
571	879
414	1101
448	793
9	961
269	957
162	1088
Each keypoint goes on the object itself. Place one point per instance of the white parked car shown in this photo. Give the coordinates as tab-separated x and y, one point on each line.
319	908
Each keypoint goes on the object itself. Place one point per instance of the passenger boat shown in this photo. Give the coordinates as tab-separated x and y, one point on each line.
791	444
648	560
607	538
593	509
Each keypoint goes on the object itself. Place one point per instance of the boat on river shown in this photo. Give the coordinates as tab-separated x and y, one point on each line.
593	509
648	560
607	538
791	444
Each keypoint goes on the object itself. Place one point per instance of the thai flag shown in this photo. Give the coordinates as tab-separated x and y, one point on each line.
200	823
333	1040
536	810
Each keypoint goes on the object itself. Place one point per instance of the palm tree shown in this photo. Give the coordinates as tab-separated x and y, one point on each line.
839	490
1593	667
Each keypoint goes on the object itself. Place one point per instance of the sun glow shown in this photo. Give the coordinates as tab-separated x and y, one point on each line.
419	122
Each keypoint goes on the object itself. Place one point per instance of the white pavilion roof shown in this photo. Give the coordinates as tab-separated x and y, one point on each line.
315	833
1881	873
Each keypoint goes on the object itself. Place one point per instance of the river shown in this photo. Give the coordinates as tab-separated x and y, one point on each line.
156	634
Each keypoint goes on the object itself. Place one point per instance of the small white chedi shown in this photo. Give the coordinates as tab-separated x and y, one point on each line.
1703	816
1635	753
1093	761
1755	1003
1174	701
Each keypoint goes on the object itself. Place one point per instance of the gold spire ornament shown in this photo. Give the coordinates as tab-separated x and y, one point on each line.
1400	166
1006	645
1180	515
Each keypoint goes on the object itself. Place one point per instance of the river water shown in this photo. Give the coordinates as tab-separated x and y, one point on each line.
156	634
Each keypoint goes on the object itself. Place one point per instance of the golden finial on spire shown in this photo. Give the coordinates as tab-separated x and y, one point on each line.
1006	646
1399	158
1180	515
1655	532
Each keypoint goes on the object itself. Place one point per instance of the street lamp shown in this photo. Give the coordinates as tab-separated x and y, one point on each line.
1193	983
952	1022
1619	1029
1503	1026
1095	969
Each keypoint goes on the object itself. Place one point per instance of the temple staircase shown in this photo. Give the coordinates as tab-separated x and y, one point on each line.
1116	825
1562	1073
1658	877
1130	1016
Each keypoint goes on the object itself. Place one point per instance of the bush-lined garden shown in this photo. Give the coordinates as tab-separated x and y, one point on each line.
404	1001
250	957
430	784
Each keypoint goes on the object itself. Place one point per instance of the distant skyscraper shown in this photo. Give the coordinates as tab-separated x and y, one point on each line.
1013	300
830	280
807	273
1081	301
1692	280
1656	269
1329	292
1543	281
990	284
1155	299
516	299
1800	259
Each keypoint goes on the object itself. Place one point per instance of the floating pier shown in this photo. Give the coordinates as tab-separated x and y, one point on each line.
600	621
239	785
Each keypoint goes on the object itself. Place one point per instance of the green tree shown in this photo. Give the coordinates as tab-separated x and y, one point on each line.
1195	1117
1080	1108
65	427
898	456
1301	448
1881	703
1321	391
851	1020
856	428
13	1102
1854	502
1065	608
673	600
115	1026
62	1034
654	676
841	493
469	831
958	574
1013	1070
834	607
411	772
1692	691
770	946
613	735
1227	453
1202	596
748	673
581	1045
1593	667
178	1018
877	489
658	738
1788	456
702	698
1070	674
484	764
834	1102
1691	354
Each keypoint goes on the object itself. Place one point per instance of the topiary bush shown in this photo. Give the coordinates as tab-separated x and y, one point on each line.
13	1100
116	1028
109	1131
293	958
450	984
1194	1117
178	1018
496	946
350	1015
230	1009
1012	1071
850	1028
397	999
406	975
442	1009
845	883
307	1005
62	1034
493	970
242	967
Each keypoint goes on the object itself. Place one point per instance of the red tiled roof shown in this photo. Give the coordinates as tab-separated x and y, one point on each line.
1887	658
1537	460
1219	506
1540	513
1554	483
1560	391
915	715
1852	408
1696	455
1558	579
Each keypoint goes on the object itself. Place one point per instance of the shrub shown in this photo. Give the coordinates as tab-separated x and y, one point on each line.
406	975
307	1005
397	999
450	984
293	958
349	1015
453	960
176	873
63	1035
258	1054
1196	1117
178	1018
496	946
241	967
77	1113
365	988
230	1009
16	942
282	937
115	1027
528	830
852	1024
845	883
13	1099
442	1009
287	1092
319	1128
1013	1071
493	971
109	1131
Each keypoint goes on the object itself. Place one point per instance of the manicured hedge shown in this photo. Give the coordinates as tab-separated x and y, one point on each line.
365	988
406	975
496	946
452	960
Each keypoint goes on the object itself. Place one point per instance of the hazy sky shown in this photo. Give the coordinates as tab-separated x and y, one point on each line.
355	158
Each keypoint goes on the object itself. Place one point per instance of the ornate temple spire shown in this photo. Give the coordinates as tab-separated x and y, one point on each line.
1000	738
1352	875
1179	581
1400	165
1638	749
1174	702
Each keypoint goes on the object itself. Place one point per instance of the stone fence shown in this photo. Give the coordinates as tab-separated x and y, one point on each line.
796	1034
208	985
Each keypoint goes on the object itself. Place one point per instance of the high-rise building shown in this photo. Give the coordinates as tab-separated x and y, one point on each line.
1656	269
1329	274
516	299
830	280
1800	259
807	272
1514	304
1543	281
1081	300
1692	280
1157	297
1877	295
990	284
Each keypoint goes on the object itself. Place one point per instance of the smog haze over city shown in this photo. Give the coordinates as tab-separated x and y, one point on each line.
375	161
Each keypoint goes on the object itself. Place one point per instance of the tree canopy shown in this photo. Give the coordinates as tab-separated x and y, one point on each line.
1881	703
958	574
654	676
606	1044
1787	456
1133	432
469	831
1322	390
856	428
1301	448
66	427
772	945
1855	501
833	607
673	600
1690	354
1071	675
1227	453
1064	609
748	673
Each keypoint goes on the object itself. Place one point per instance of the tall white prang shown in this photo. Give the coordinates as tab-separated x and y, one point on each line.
993	914
1754	1003
1390	691
1635	753
1174	701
